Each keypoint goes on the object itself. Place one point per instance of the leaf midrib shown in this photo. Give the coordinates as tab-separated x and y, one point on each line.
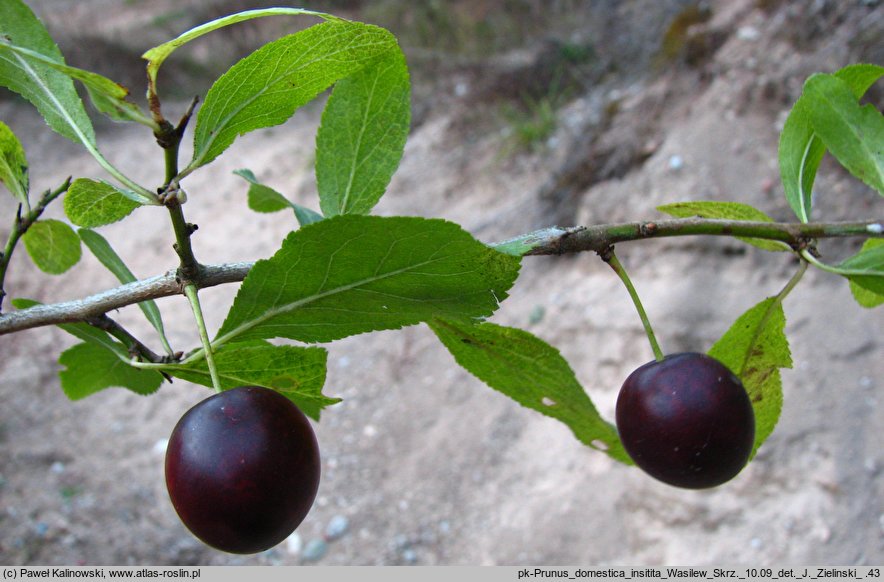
863	145
802	168
354	164
95	201
225	122
288	307
53	100
232	377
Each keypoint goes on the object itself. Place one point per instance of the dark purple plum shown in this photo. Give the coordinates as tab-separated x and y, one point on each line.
242	469
686	421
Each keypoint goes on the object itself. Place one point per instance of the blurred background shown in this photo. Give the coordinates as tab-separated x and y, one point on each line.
526	114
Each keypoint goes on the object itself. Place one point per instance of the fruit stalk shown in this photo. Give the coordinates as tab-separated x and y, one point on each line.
193	297
609	257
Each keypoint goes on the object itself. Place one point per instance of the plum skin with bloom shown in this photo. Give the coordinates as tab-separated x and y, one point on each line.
686	420
242	469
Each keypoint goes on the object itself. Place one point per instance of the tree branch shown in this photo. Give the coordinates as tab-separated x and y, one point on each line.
20	226
135	346
169	138
550	241
96	305
559	241
190	270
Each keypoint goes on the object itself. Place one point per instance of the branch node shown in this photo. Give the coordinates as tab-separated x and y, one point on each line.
811	248
171	195
606	254
647	228
166	137
805	243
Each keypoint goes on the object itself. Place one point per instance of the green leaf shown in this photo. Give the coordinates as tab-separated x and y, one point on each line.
306	216
13	165
83	331
265	199
866	298
800	154
262	198
51	91
297	372
865	270
801	151
353	274
90	203
90	369
265	88
715	209
362	136
107	96
755	348
157	55
532	373
42	81
854	134
53	246
860	76
114	107
112	261
728	211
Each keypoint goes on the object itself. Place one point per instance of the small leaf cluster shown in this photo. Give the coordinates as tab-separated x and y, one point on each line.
829	117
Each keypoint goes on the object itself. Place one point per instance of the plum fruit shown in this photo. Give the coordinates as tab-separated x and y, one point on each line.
686	420
242	469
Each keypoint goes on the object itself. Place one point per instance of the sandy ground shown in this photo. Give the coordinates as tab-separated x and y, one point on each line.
427	465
